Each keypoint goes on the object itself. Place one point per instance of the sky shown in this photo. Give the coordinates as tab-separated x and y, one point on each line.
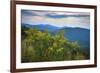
56	18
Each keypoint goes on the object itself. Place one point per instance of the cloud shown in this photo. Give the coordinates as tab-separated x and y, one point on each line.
54	14
64	16
28	13
59	19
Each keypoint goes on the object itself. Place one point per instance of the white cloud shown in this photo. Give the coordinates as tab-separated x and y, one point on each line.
69	21
43	13
41	18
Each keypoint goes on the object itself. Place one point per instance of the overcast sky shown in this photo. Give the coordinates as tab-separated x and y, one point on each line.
59	19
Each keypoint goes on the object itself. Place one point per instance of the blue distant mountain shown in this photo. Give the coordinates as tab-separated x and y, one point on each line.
42	27
81	35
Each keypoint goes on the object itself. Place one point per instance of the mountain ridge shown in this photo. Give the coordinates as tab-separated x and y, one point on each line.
48	25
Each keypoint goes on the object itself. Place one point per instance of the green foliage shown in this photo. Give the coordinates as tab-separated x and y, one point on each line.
38	46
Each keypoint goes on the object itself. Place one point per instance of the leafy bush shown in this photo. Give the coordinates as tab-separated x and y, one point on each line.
40	46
